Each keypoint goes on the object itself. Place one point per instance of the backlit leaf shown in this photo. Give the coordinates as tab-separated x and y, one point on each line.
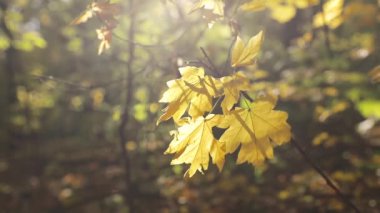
216	6
254	5
332	15
194	90
105	37
281	10
194	143
232	86
104	10
283	13
257	129
244	55
82	18
374	74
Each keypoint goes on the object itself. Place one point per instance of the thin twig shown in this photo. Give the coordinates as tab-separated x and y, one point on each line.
149	45
228	59
329	182
82	87
61	81
326	31
214	68
125	118
245	94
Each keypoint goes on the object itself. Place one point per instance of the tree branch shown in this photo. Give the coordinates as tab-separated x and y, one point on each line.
326	31
125	118
213	67
329	182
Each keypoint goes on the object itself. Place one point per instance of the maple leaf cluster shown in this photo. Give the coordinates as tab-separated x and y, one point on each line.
192	100
285	10
106	13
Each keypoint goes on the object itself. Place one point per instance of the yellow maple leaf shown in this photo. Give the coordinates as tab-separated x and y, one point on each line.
281	10
194	143
332	15
244	55
194	90
303	3
374	74
283	13
257	129
232	86
216	6
254	5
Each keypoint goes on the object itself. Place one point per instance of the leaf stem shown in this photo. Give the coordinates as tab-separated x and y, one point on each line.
215	105
245	94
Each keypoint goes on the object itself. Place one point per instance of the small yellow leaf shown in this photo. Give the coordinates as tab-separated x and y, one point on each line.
244	55
232	86
374	74
216	6
254	5
82	18
105	35
281	10
332	15
283	13
104	10
304	3
194	143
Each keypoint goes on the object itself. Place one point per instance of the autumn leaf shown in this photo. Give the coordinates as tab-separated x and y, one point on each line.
254	5
194	90
104	10
244	55
105	37
374	74
232	86
332	15
301	4
216	6
83	17
194	143
281	10
258	129
283	13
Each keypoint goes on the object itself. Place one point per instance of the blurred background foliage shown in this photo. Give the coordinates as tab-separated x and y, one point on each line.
61	105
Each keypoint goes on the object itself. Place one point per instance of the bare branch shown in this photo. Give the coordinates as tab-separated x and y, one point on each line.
329	182
125	118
